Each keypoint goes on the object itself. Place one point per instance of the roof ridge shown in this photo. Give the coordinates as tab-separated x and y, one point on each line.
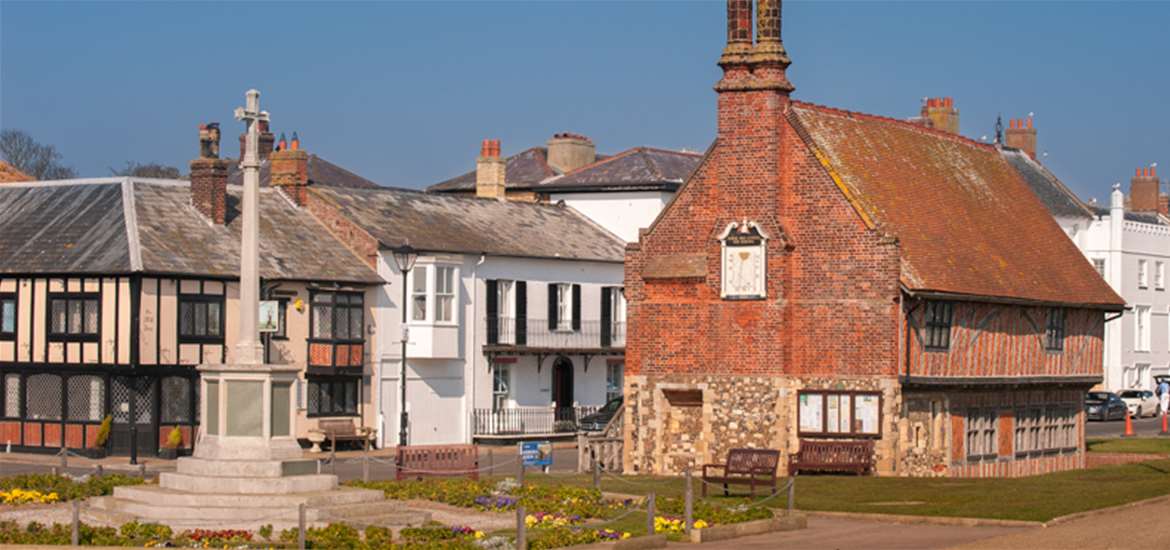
341	168
904	123
650	164
130	219
1053	179
670	151
596	163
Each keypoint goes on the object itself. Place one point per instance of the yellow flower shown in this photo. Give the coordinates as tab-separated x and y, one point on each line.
479	534
626	535
700	524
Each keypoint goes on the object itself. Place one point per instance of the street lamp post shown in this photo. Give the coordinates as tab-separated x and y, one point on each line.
405	257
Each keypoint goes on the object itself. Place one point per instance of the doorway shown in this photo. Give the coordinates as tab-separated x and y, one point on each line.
562	382
132	401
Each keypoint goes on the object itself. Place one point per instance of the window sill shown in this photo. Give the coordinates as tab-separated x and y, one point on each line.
839	435
432	324
214	341
332	415
70	338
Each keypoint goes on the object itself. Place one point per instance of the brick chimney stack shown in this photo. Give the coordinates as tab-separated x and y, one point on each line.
568	152
289	171
491	171
940	113
209	175
1021	135
753	96
267	141
1144	195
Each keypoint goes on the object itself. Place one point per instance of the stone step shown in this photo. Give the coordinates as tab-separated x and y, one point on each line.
151	494
247	485
245	468
158	513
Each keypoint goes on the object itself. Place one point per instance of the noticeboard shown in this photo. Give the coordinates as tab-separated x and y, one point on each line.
536	453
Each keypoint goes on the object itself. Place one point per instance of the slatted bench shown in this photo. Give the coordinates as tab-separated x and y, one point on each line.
343	429
832	456
752	467
419	461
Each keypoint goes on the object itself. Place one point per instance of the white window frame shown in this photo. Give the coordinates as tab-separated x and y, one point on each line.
501	399
1160	275
420	273
505	309
617	316
1143	274
1100	265
1141	328
564	307
614	371
428	274
448	295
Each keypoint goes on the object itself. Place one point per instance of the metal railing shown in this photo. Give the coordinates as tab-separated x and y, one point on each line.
541	334
528	420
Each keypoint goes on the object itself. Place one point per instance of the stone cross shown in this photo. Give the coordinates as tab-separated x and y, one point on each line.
249	350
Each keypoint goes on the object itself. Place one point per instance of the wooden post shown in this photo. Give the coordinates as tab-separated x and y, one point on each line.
791	493
333	453
596	472
520	464
301	526
142	471
75	534
99	471
491	461
54	470
366	463
64	458
521	529
690	504
650	514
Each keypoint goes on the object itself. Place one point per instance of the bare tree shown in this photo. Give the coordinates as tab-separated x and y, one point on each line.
148	170
38	160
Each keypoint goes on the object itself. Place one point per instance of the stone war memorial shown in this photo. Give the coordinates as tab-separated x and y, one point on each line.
247	469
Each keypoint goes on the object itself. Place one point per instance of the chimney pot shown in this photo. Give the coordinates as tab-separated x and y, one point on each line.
491	172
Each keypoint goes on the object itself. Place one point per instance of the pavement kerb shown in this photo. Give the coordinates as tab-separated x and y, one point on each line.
1089	513
927	520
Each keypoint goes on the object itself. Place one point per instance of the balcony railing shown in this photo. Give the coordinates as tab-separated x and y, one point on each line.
528	420
537	333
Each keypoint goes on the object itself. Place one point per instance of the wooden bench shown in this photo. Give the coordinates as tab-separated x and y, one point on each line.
419	461
343	429
832	456
750	467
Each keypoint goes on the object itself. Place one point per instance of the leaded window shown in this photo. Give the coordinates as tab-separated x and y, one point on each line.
73	316
338	316
1054	333
175	400
201	318
7	316
333	396
43	397
12	395
938	325
86	398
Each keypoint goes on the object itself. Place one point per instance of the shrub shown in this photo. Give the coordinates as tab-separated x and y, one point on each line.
65	487
174	438
103	432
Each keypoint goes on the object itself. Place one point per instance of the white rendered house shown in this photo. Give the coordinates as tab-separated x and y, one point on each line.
514	312
1129	245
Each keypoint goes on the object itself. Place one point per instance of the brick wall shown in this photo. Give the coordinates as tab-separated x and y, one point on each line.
355	238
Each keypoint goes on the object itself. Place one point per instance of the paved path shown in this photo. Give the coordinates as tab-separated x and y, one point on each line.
850	534
1139	528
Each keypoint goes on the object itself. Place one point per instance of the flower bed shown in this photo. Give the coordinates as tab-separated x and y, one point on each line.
21	496
562	500
66	488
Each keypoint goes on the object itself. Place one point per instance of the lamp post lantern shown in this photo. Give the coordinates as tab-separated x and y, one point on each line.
405	257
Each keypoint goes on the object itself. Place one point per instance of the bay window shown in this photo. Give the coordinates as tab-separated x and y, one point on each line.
434	294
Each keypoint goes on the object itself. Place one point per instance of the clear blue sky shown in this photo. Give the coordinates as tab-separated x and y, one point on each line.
402	93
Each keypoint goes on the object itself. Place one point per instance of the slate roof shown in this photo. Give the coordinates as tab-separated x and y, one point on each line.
459	224
639	168
966	221
1053	193
9	173
321	172
129	225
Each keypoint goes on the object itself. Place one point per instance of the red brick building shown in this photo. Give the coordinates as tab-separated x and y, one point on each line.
834	275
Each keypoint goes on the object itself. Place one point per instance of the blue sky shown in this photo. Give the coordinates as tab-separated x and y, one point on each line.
402	93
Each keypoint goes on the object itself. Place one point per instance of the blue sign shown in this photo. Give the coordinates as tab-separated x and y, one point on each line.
536	453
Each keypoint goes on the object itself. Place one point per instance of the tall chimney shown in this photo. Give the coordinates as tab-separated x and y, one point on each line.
491	171
940	113
1143	191
267	141
568	152
1020	134
209	175
289	172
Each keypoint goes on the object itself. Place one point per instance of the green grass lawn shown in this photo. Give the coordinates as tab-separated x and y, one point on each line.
1146	445
1036	498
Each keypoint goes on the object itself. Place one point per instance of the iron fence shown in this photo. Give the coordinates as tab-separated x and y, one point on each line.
541	333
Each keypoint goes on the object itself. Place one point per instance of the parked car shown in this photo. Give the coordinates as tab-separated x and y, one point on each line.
597	421
1104	405
1140	402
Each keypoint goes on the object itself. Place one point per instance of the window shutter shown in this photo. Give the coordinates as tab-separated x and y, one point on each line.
521	313
493	312
576	307
552	306
606	316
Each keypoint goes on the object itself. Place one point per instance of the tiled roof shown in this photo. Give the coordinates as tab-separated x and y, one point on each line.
82	226
1058	198
640	167
452	223
633	169
321	172
965	220
9	173
524	169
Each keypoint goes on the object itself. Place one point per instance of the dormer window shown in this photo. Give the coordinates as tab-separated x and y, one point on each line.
744	264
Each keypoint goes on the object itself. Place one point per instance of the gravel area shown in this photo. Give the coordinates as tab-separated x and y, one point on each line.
43	513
